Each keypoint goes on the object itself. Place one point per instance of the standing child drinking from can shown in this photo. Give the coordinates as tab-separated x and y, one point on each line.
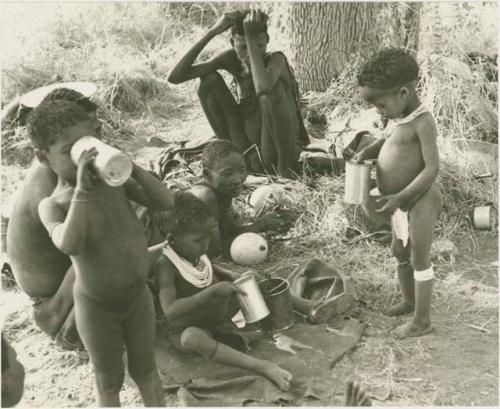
95	225
407	165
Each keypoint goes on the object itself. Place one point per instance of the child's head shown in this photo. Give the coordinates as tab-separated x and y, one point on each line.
224	167
187	226
238	40
70	95
53	128
388	81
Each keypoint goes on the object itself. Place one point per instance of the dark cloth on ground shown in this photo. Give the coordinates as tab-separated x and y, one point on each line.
201	382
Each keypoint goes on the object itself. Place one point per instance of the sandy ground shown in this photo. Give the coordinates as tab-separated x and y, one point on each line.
455	365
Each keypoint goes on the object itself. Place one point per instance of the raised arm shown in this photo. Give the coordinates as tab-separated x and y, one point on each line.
264	78
186	69
69	232
147	190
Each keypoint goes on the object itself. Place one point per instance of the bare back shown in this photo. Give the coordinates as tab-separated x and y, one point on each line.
400	159
38	266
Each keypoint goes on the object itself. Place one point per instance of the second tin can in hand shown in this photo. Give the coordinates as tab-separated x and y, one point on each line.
111	165
252	304
357	182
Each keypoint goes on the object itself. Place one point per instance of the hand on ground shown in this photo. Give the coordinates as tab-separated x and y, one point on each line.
279	222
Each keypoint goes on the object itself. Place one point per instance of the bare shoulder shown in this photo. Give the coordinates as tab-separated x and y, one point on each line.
165	272
425	126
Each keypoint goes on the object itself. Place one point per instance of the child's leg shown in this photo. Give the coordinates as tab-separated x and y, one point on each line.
423	216
221	110
279	136
139	335
200	342
53	314
405	276
102	336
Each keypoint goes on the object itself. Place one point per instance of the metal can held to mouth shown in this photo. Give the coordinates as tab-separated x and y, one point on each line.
252	304
112	166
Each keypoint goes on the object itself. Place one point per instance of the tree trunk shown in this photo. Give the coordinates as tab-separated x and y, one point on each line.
324	37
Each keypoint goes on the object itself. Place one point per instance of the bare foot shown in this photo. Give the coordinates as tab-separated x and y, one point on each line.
414	328
355	395
404	307
278	375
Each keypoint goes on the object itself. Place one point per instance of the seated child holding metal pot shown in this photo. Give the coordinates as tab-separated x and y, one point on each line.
197	298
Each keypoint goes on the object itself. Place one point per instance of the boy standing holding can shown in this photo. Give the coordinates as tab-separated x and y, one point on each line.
407	166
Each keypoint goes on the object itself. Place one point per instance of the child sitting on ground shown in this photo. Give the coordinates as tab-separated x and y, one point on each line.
95	225
198	306
407	165
267	114
224	172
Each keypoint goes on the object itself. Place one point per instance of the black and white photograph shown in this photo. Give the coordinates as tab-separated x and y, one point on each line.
227	204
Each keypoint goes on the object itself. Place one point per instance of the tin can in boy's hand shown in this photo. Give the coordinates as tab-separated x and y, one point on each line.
111	165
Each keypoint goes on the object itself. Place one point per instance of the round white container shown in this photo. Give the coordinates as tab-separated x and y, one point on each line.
357	181
112	165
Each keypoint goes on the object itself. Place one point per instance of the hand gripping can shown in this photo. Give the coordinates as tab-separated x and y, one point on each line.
110	164
252	304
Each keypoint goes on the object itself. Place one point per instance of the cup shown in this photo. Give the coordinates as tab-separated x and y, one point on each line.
357	182
252	304
111	165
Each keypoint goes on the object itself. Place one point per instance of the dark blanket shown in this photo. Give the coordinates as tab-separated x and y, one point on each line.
201	382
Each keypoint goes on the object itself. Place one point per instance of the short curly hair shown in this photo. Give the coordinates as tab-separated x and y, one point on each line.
388	68
70	95
237	28
215	151
187	215
48	120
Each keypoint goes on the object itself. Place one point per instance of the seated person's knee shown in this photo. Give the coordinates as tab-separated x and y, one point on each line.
109	382
208	83
49	316
196	340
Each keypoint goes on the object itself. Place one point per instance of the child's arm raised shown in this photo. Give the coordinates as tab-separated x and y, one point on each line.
427	134
186	70
264	78
148	191
69	232
177	308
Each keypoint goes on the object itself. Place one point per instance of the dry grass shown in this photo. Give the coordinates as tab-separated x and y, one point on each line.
128	50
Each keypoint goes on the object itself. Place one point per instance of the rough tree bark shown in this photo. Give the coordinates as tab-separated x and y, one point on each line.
324	37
